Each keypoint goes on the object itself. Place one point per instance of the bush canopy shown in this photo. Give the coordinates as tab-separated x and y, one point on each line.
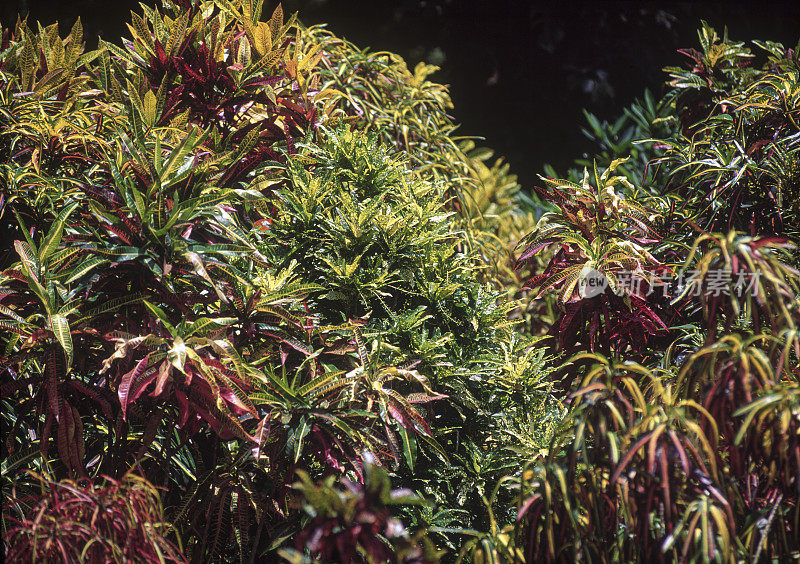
263	303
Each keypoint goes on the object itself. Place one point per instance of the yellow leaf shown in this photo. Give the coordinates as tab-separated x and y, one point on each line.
263	39
276	22
149	113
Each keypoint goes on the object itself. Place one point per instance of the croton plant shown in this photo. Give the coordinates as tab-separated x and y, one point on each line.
261	303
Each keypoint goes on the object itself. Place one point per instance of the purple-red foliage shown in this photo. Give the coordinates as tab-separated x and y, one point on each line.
86	521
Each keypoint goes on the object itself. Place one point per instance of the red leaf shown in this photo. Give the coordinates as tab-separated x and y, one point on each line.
127	380
399	416
149	433
183	408
140	384
95	394
424	398
70	440
54	370
164	373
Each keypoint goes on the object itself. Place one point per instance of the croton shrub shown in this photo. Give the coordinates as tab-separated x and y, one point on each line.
261	303
680	441
240	257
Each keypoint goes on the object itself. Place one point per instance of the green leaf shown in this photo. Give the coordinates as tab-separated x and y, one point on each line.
53	238
203	325
409	441
60	327
295	440
85	267
30	264
158	312
12	314
110	305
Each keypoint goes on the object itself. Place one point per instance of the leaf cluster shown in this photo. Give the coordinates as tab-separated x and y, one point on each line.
678	449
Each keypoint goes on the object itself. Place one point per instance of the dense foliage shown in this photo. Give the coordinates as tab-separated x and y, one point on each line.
681	437
73	521
258	281
241	255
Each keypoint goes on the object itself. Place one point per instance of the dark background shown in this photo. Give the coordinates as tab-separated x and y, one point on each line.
520	72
